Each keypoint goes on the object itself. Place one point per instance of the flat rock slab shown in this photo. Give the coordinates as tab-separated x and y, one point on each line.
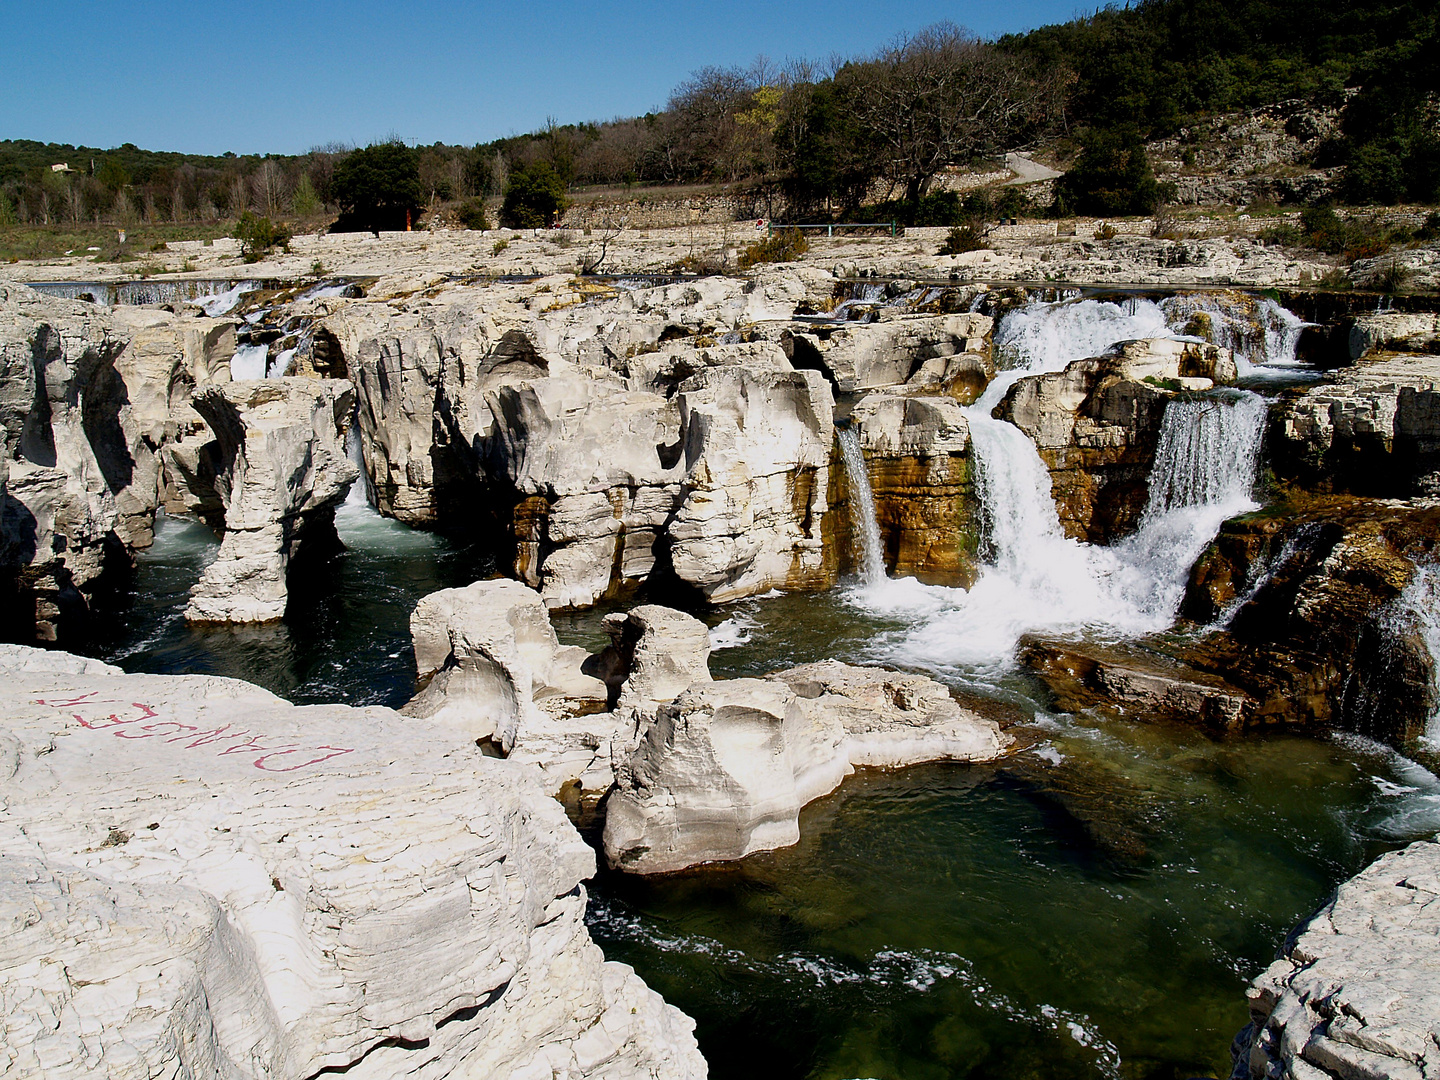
199	878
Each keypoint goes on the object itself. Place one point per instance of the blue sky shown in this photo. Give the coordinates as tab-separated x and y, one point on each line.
206	77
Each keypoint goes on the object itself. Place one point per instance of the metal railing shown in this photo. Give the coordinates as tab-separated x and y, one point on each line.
830	227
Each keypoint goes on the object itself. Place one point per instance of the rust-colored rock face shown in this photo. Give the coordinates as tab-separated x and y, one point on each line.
917	458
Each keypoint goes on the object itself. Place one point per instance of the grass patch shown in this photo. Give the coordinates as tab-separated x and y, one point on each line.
787	245
37	242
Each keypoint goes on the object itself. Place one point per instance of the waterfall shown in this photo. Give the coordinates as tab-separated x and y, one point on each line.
1420	601
1259	332
862	508
359	494
249	362
1207	452
1034	577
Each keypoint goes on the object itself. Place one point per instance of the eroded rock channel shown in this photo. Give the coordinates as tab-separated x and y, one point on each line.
899	679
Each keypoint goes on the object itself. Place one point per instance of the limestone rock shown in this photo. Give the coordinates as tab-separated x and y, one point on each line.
655	654
1372	429
892	718
872	356
1395	331
489	654
60	404
724	769
198	878
721	772
283	470
756	453
1356	990
917	457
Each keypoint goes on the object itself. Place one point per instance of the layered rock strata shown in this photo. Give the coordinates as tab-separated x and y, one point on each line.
1356	989
1096	425
1307	624
1371	429
201	879
917	458
280	472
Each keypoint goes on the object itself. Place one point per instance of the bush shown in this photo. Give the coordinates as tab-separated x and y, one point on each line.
471	213
499	246
961	239
787	245
1111	178
534	197
257	235
377	188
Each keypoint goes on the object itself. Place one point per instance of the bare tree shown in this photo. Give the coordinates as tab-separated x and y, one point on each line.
944	96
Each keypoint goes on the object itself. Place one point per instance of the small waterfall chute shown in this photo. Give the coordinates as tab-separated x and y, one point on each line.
249	362
862	508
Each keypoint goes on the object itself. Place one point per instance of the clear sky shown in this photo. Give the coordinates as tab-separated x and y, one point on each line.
256	76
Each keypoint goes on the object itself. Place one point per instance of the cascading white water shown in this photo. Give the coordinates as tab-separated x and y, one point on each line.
1420	602
1262	334
862	508
359	494
249	362
1037	579
1207	452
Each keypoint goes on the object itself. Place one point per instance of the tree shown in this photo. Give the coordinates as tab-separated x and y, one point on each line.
377	188
534	197
1112	177
943	97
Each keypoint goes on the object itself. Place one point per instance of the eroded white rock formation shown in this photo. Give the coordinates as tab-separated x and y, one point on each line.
200	879
724	770
282	470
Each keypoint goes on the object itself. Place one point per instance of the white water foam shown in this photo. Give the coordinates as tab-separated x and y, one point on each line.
249	362
732	633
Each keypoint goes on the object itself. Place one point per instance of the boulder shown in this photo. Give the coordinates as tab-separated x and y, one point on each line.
893	719
655	654
723	770
1356	989
917	457
200	879
282	469
486	653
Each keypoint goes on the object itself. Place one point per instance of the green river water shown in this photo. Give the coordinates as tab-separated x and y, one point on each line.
1092	906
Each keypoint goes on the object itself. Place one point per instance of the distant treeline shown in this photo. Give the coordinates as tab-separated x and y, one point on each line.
824	140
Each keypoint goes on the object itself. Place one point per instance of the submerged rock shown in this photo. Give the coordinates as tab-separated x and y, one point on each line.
202	879
1356	990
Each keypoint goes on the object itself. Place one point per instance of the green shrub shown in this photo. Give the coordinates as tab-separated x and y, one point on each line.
257	235
1111	178
534	197
305	200
471	213
1431	229
499	246
787	245
962	238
